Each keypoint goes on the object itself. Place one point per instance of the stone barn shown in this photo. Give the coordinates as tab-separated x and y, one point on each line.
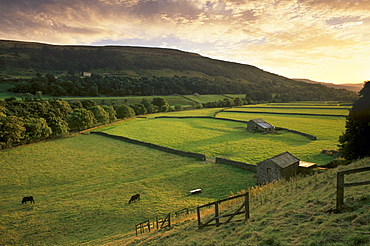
260	125
282	166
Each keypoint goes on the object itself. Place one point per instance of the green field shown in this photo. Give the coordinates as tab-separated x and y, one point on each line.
297	212
206	98
82	184
217	138
131	100
341	111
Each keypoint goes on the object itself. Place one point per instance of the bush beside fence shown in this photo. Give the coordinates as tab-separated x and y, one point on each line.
155	146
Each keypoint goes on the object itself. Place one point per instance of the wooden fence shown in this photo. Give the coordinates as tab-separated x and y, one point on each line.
341	185
230	216
157	224
142	226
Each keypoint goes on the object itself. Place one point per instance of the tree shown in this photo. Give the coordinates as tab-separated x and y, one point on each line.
93	91
124	112
11	130
238	102
161	103
139	109
178	108
100	114
59	108
88	103
355	142
58	126
81	119
111	112
36	129
228	102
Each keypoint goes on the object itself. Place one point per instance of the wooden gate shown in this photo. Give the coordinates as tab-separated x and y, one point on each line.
217	217
162	223
341	184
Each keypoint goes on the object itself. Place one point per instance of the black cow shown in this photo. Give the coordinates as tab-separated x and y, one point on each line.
28	199
134	198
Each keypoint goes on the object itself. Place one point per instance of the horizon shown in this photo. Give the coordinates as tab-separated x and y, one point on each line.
310	39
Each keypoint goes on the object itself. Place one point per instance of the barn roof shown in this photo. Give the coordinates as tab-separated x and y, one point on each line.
262	123
284	159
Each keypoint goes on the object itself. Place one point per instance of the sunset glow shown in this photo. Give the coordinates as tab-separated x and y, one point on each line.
326	41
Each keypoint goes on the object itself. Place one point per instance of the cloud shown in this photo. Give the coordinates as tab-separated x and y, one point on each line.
267	33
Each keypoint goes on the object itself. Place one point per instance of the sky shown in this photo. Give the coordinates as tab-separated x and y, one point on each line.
322	40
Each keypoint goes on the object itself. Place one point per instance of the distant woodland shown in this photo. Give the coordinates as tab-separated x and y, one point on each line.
97	85
122	71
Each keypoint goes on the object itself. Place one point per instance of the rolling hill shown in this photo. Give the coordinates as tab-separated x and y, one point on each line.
147	71
348	86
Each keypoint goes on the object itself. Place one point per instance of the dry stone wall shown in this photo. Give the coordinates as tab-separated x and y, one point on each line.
199	156
238	164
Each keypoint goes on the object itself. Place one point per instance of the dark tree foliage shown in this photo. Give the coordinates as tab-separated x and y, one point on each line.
355	142
263	91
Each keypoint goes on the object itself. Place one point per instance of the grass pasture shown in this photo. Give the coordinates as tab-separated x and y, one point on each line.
297	212
173	100
205	98
82	184
217	138
328	110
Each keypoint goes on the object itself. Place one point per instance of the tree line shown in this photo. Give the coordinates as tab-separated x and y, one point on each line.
33	119
96	85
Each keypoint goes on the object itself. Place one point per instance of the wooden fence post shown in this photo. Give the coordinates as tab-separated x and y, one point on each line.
217	214
246	206
169	220
198	213
340	191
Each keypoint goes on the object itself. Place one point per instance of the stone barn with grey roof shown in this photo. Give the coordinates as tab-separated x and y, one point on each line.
282	166
260	125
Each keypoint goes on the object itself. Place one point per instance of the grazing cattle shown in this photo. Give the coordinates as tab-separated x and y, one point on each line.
28	199
192	192
134	198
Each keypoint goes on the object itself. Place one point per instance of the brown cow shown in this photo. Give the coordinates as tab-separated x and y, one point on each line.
134	198
28	199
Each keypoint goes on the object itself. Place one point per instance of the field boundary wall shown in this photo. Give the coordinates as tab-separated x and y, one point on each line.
199	117
312	137
295	107
264	112
154	146
183	117
239	164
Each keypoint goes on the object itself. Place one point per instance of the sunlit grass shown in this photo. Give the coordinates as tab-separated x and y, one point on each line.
288	212
217	138
82	184
296	110
206	98
325	128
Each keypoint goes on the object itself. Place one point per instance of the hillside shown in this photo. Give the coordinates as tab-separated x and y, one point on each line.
121	71
131	61
296	212
348	86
